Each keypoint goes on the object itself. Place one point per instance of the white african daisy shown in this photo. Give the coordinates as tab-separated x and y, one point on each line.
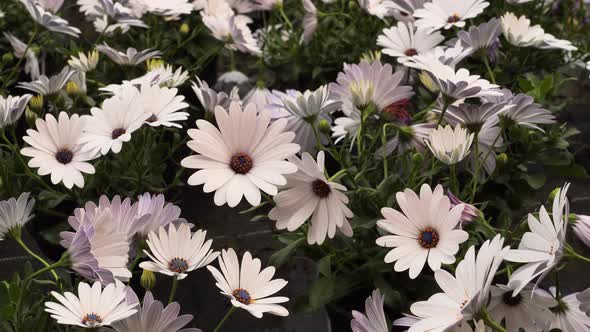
543	247
83	62
130	58
404	41
49	85
160	212
162	106
169	8
56	149
208	97
450	145
14	214
568	315
310	194
373	320
310	20
12	108
48	20
112	124
426	231
247	286
379	8
176	251
446	14
245	155
481	37
93	307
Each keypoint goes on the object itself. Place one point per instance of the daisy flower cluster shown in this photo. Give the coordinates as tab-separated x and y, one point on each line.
402	147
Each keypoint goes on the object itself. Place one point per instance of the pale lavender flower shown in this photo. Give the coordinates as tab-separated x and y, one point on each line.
469	213
310	20
522	110
12	108
159	211
14	214
210	98
48	20
483	36
407	138
373	320
131	57
80	251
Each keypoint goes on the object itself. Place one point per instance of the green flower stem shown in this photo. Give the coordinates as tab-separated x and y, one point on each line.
337	175
173	290
490	71
454	180
229	313
475	180
491	323
37	257
571	253
446	104
284	16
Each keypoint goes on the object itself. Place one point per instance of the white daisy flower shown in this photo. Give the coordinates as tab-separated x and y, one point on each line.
48	20
404	9
261	97
166	76
56	149
152	316
446	14
14	214
50	5
346	125
84	63
210	98
310	194
450	145
529	310
369	83
378	8
522	110
169	8
481	37
93	307
130	58
247	287
519	32
112	125
373	320
582	228
426	231
568	317
550	42
245	155
464	294
48	85
404	41
12	108
233	31
543	247
162	106
310	20
32	63
176	251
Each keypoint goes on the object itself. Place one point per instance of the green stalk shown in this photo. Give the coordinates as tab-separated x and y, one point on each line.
229	313
37	257
173	290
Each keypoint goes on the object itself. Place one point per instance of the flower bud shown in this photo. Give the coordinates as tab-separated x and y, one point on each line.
155	64
148	279
502	159
36	103
324	126
428	82
469	213
417	158
7	57
72	89
185	29
30	116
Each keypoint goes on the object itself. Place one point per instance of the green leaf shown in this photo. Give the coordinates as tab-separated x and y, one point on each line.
324	266
280	257
321	292
536	181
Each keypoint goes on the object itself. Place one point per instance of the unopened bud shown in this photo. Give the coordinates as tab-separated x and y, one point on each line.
324	126
148	279
7	57
554	193
30	116
417	158
428	82
185	28
502	159
155	64
72	89
36	103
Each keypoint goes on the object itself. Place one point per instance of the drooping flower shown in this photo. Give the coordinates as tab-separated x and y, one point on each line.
408	137
112	124
93	307
310	20
404	41
346	125
14	214
245	155
160	213
568	316
464	294
162	106
176	251
56	149
83	62
469	213
32	63
247	286
310	194
373	320
450	145
12	108
210	98
48	20
48	85
529	310
542	248
130	58
152	316
446	14
426	231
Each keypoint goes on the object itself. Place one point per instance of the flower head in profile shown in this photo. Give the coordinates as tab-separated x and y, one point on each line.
542	248
131	57
245	155
403	10
359	86
19	47
93	307
481	37
210	98
112	125
12	108
518	31
569	315
233	30
373	320
152	316
378	8
172	9
176	251
160	212
166	76
247	286
56	149
446	14
408	137
48	85
529	310
450	145
84	63
470	212
465	293
14	214
48	20
162	106
310	20
522	110
424	231
404	41
310	194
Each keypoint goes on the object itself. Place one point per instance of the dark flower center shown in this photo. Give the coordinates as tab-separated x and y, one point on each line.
511	300
64	156
428	238
454	18
242	296
178	265
117	132
91	319
321	188
411	52
152	118
241	163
